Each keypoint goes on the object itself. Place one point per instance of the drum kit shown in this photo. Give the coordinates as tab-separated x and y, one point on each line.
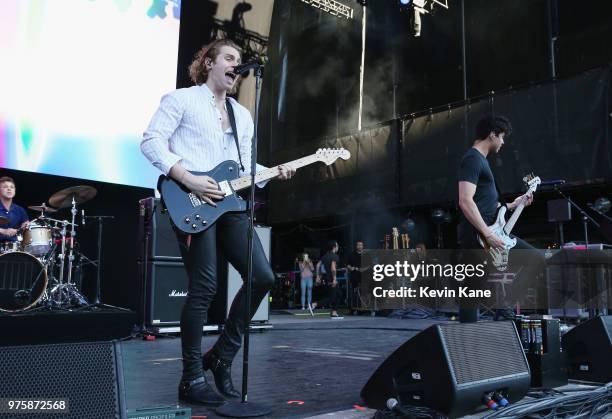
36	270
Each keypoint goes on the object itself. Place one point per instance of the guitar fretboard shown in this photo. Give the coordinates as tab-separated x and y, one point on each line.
267	174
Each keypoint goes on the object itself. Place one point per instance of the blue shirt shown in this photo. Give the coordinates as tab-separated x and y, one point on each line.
16	216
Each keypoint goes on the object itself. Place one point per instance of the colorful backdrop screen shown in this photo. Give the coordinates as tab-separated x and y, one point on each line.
79	82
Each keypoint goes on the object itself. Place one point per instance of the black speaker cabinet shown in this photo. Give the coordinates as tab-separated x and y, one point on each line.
156	235
559	210
589	350
166	292
450	367
88	376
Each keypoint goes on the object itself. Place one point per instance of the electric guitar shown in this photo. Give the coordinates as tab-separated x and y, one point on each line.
192	215
502	228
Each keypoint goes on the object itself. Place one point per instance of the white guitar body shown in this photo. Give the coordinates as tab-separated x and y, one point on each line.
501	228
499	257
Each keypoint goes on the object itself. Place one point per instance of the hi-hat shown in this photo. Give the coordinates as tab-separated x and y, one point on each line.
42	208
81	193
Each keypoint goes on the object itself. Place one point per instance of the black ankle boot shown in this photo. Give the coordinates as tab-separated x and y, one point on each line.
222	371
198	391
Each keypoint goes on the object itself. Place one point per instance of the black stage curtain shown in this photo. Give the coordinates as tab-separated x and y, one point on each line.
561	130
367	180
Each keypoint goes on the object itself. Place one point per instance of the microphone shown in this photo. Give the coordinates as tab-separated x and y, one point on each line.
552	182
82	217
255	63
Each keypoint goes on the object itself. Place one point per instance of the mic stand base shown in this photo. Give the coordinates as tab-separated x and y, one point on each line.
243	410
101	306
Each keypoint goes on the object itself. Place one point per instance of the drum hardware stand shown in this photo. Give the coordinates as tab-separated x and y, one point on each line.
73	293
56	291
66	293
46	302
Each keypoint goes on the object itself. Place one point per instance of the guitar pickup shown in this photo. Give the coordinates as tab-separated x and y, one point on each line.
225	188
195	201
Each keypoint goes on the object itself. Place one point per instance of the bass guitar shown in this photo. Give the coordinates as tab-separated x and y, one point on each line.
502	228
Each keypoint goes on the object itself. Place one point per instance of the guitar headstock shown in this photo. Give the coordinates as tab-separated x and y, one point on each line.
532	182
330	155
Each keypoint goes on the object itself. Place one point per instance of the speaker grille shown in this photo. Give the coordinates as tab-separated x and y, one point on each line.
483	351
83	373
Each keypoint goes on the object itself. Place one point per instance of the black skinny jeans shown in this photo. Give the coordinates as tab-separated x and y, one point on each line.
230	236
332	295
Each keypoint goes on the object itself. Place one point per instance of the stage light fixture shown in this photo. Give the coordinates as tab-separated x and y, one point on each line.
408	225
418	8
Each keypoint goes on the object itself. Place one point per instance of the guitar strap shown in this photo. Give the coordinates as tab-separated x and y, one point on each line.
500	197
230	113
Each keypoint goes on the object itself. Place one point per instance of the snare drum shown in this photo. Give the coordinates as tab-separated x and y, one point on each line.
37	239
23	280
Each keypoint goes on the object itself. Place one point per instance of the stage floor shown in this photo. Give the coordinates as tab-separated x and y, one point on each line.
318	361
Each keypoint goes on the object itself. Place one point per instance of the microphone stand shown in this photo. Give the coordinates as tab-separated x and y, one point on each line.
607	217
97	302
585	222
585	217
245	409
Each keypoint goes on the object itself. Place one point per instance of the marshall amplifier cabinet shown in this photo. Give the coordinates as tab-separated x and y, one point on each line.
166	287
166	291
156	236
166	284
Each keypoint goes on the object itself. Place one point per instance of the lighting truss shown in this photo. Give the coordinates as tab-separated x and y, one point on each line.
334	8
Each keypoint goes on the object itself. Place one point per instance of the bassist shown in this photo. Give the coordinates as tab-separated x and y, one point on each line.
192	131
479	199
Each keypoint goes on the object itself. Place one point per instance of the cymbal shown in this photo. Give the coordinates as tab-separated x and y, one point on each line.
81	193
42	208
3	221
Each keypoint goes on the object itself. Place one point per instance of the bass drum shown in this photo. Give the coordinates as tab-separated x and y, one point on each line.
23	280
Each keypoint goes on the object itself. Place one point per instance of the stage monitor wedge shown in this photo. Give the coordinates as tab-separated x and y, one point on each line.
86	377
450	367
589	350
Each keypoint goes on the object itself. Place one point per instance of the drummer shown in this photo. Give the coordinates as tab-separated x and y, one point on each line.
16	215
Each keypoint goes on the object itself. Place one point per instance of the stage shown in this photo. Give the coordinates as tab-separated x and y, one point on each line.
318	361
394	145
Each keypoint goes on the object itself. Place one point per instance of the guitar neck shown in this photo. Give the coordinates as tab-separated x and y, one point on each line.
267	174
514	218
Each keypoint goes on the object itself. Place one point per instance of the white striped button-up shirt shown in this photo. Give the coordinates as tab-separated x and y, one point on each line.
187	128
